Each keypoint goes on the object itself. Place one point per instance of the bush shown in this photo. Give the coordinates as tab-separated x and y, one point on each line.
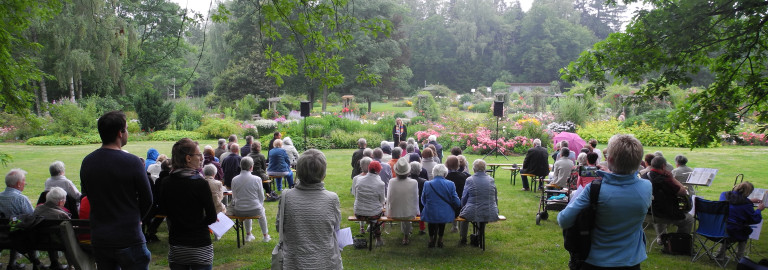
656	118
251	132
417	120
69	119
15	127
426	107
61	139
481	107
246	107
214	128
341	139
572	109
175	135
133	127
186	117
154	112
100	105
400	115
648	136
265	126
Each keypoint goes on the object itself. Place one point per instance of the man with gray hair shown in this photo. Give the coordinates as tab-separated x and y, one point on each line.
221	149
386	171
13	203
623	200
682	171
439	148
357	155
667	166
246	149
231	164
59	180
248	199
535	163
53	209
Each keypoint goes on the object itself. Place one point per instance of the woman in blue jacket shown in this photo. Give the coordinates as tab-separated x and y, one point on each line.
279	164
741	214
439	198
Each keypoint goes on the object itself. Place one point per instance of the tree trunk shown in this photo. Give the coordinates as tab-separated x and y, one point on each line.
37	98
369	104
79	87
311	99
44	94
325	96
121	84
72	88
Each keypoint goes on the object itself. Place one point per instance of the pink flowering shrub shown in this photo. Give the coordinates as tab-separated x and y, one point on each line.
751	138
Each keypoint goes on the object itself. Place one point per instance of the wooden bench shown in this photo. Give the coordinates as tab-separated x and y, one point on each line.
53	235
534	179
240	227
374	223
273	178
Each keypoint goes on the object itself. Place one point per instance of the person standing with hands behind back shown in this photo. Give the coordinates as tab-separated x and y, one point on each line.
120	195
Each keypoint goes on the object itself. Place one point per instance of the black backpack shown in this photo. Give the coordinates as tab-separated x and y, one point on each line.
578	238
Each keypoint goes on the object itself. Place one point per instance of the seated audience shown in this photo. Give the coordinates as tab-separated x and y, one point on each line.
416	170
667	166
369	197
293	154
14	203
396	153
459	180
260	170
58	179
438	147
363	164
152	155
386	171
248	199
246	149
562	170
217	188
310	243
403	197
154	169
479	203
428	163
666	208
221	149
231	164
386	153
280	164
593	144
53	208
187	202
209	158
741	214
535	163
357	155
582	181
440	199
681	172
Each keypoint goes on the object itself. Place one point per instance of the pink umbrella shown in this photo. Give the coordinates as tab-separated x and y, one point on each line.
575	143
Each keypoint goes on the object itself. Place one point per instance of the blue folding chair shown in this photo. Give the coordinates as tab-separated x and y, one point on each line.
711	217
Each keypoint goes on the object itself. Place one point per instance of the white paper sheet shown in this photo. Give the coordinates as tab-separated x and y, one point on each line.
222	225
701	176
344	237
756	228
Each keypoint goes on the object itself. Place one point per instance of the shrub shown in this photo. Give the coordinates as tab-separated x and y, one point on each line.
214	128
175	135
245	107
265	126
15	127
481	107
154	112
251	131
427	106
133	126
400	115
100	105
572	109
656	118
186	117
418	119
60	139
333	98
348	140
69	119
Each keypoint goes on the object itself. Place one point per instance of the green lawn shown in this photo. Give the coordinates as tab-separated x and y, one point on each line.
514	244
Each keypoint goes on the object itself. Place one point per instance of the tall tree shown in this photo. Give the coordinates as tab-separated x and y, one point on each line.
673	41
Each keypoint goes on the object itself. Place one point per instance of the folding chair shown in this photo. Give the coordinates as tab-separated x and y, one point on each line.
710	234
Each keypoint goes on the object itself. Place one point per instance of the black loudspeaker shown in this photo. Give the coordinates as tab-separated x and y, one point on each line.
305	108
498	108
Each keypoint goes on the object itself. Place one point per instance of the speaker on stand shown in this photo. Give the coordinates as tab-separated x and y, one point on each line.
305	113
498	112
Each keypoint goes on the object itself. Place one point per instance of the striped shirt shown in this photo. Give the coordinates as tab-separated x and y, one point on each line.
191	255
13	203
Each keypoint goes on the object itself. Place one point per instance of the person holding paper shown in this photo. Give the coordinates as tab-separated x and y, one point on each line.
741	214
187	202
665	206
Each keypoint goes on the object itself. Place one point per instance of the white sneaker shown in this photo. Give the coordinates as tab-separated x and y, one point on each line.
266	239
249	238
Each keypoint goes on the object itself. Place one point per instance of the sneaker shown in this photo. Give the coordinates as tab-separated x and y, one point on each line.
249	238
266	239
455	229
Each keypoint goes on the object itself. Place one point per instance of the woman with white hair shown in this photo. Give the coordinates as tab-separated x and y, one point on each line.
479	201
403	197
248	199
293	154
369	195
217	188
312	215
58	179
440	199
53	208
364	162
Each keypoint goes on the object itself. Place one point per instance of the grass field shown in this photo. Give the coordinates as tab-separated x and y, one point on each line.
514	244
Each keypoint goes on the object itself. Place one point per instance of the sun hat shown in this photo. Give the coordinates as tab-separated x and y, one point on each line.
402	167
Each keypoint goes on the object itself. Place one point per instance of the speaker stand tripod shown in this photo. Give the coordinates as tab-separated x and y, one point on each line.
495	150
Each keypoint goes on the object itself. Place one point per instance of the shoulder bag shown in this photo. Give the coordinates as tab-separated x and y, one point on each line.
277	252
578	238
456	210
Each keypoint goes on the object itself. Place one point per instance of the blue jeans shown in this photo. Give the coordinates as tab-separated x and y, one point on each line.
176	266
128	258
280	181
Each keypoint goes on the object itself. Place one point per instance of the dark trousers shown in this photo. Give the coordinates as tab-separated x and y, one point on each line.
436	229
587	266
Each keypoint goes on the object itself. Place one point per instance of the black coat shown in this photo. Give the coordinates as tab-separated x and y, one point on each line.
535	161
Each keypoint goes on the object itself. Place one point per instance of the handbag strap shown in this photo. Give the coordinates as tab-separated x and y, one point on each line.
282	216
439	195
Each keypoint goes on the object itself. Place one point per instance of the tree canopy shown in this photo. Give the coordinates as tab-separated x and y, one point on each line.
675	41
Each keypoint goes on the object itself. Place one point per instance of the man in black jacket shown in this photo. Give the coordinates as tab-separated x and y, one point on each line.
535	162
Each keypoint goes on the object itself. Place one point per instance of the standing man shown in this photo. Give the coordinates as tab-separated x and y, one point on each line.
535	162
357	156
120	195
